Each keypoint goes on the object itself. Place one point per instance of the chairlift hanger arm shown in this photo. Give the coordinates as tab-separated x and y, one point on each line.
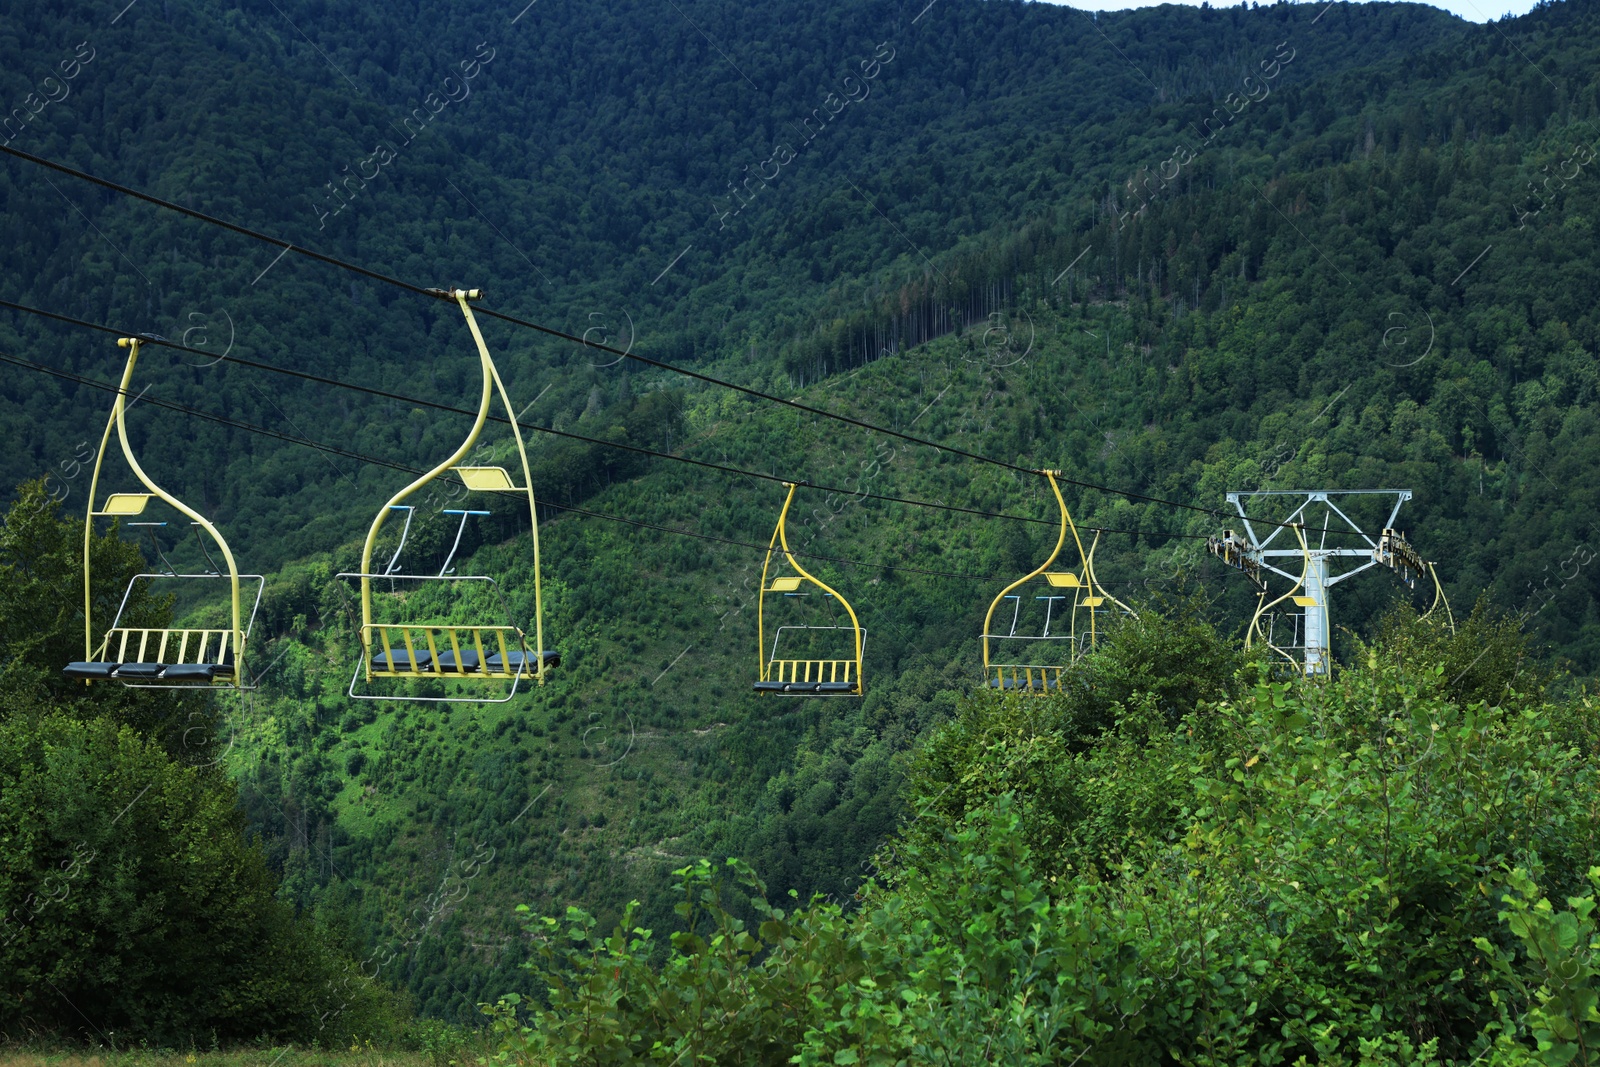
461	298
783	539
395	502
1440	598
1095	588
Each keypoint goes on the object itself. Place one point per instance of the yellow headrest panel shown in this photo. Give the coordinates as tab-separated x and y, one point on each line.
1306	601
786	585
486	479
1093	601
1066	580
125	503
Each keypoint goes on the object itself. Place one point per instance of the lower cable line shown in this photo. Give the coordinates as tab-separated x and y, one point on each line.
392	465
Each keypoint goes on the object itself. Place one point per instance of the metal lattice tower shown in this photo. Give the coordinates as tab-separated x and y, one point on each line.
1319	560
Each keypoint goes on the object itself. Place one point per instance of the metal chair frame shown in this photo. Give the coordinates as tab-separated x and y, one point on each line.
771	669
230	642
471	665
1088	595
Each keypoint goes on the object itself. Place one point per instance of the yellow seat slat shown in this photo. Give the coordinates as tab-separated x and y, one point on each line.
452	634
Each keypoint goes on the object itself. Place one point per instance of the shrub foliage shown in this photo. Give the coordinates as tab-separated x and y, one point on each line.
1344	872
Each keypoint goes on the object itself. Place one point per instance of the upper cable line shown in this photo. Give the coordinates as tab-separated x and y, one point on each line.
436	293
637	449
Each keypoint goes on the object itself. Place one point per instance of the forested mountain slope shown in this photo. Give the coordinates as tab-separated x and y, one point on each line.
1047	238
573	155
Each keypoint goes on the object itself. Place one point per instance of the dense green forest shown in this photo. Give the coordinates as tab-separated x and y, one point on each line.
1173	252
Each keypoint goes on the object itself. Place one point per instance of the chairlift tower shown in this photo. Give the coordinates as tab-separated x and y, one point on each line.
1314	640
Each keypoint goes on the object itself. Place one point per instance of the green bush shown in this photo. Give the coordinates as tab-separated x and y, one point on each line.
1064	758
133	906
1307	873
1554	981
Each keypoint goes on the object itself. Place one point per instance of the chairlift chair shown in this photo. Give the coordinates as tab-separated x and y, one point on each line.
486	653
158	657
1061	646
802	675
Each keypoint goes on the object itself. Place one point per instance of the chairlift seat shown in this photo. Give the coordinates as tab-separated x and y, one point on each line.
198	672
404	660
806	688
89	671
166	672
1029	684
496	664
1034	678
517	660
140	670
447	662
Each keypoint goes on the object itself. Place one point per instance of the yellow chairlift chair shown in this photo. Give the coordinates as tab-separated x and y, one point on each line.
1045	672
158	657
801	674
477	653
1286	633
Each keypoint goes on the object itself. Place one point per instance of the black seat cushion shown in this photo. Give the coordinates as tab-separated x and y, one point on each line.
403	660
195	672
836	687
82	669
801	687
141	670
469	661
527	660
769	687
